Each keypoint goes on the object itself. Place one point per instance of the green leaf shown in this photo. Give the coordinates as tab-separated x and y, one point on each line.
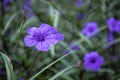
87	40
7	25
60	73
52	50
37	74
107	70
9	67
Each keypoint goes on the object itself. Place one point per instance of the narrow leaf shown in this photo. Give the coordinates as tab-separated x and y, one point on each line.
9	67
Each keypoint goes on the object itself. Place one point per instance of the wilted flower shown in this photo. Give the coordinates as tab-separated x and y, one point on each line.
110	37
28	8
114	57
93	61
90	29
43	37
72	47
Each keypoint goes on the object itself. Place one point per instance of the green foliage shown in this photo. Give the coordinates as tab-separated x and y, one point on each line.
56	64
8	66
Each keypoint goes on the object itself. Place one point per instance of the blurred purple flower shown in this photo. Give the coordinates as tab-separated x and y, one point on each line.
90	29
28	8
93	61
6	2
114	58
75	47
111	22
27	5
43	37
110	37
72	47
79	3
22	78
80	16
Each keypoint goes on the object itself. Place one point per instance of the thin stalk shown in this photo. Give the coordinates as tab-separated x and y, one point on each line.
37	74
61	72
2	13
2	16
31	67
21	27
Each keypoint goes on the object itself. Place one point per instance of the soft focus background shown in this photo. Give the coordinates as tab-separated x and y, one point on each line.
70	18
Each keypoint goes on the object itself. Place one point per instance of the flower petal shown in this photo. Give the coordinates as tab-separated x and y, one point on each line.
29	41
96	65
57	36
111	22
47	29
43	46
90	29
52	41
54	38
32	30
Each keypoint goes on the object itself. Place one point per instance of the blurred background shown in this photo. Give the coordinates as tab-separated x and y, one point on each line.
70	18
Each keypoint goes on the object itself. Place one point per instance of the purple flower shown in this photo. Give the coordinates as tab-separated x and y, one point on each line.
111	22
5	2
90	29
43	37
79	3
27	5
93	61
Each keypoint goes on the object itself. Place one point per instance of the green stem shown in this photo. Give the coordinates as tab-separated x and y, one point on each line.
49	65
31	67
61	72
21	27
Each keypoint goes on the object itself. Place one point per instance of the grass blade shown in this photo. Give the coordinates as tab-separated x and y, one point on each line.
37	74
61	73
9	67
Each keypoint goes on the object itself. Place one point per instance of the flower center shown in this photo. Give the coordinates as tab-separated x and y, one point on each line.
90	29
92	60
41	38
